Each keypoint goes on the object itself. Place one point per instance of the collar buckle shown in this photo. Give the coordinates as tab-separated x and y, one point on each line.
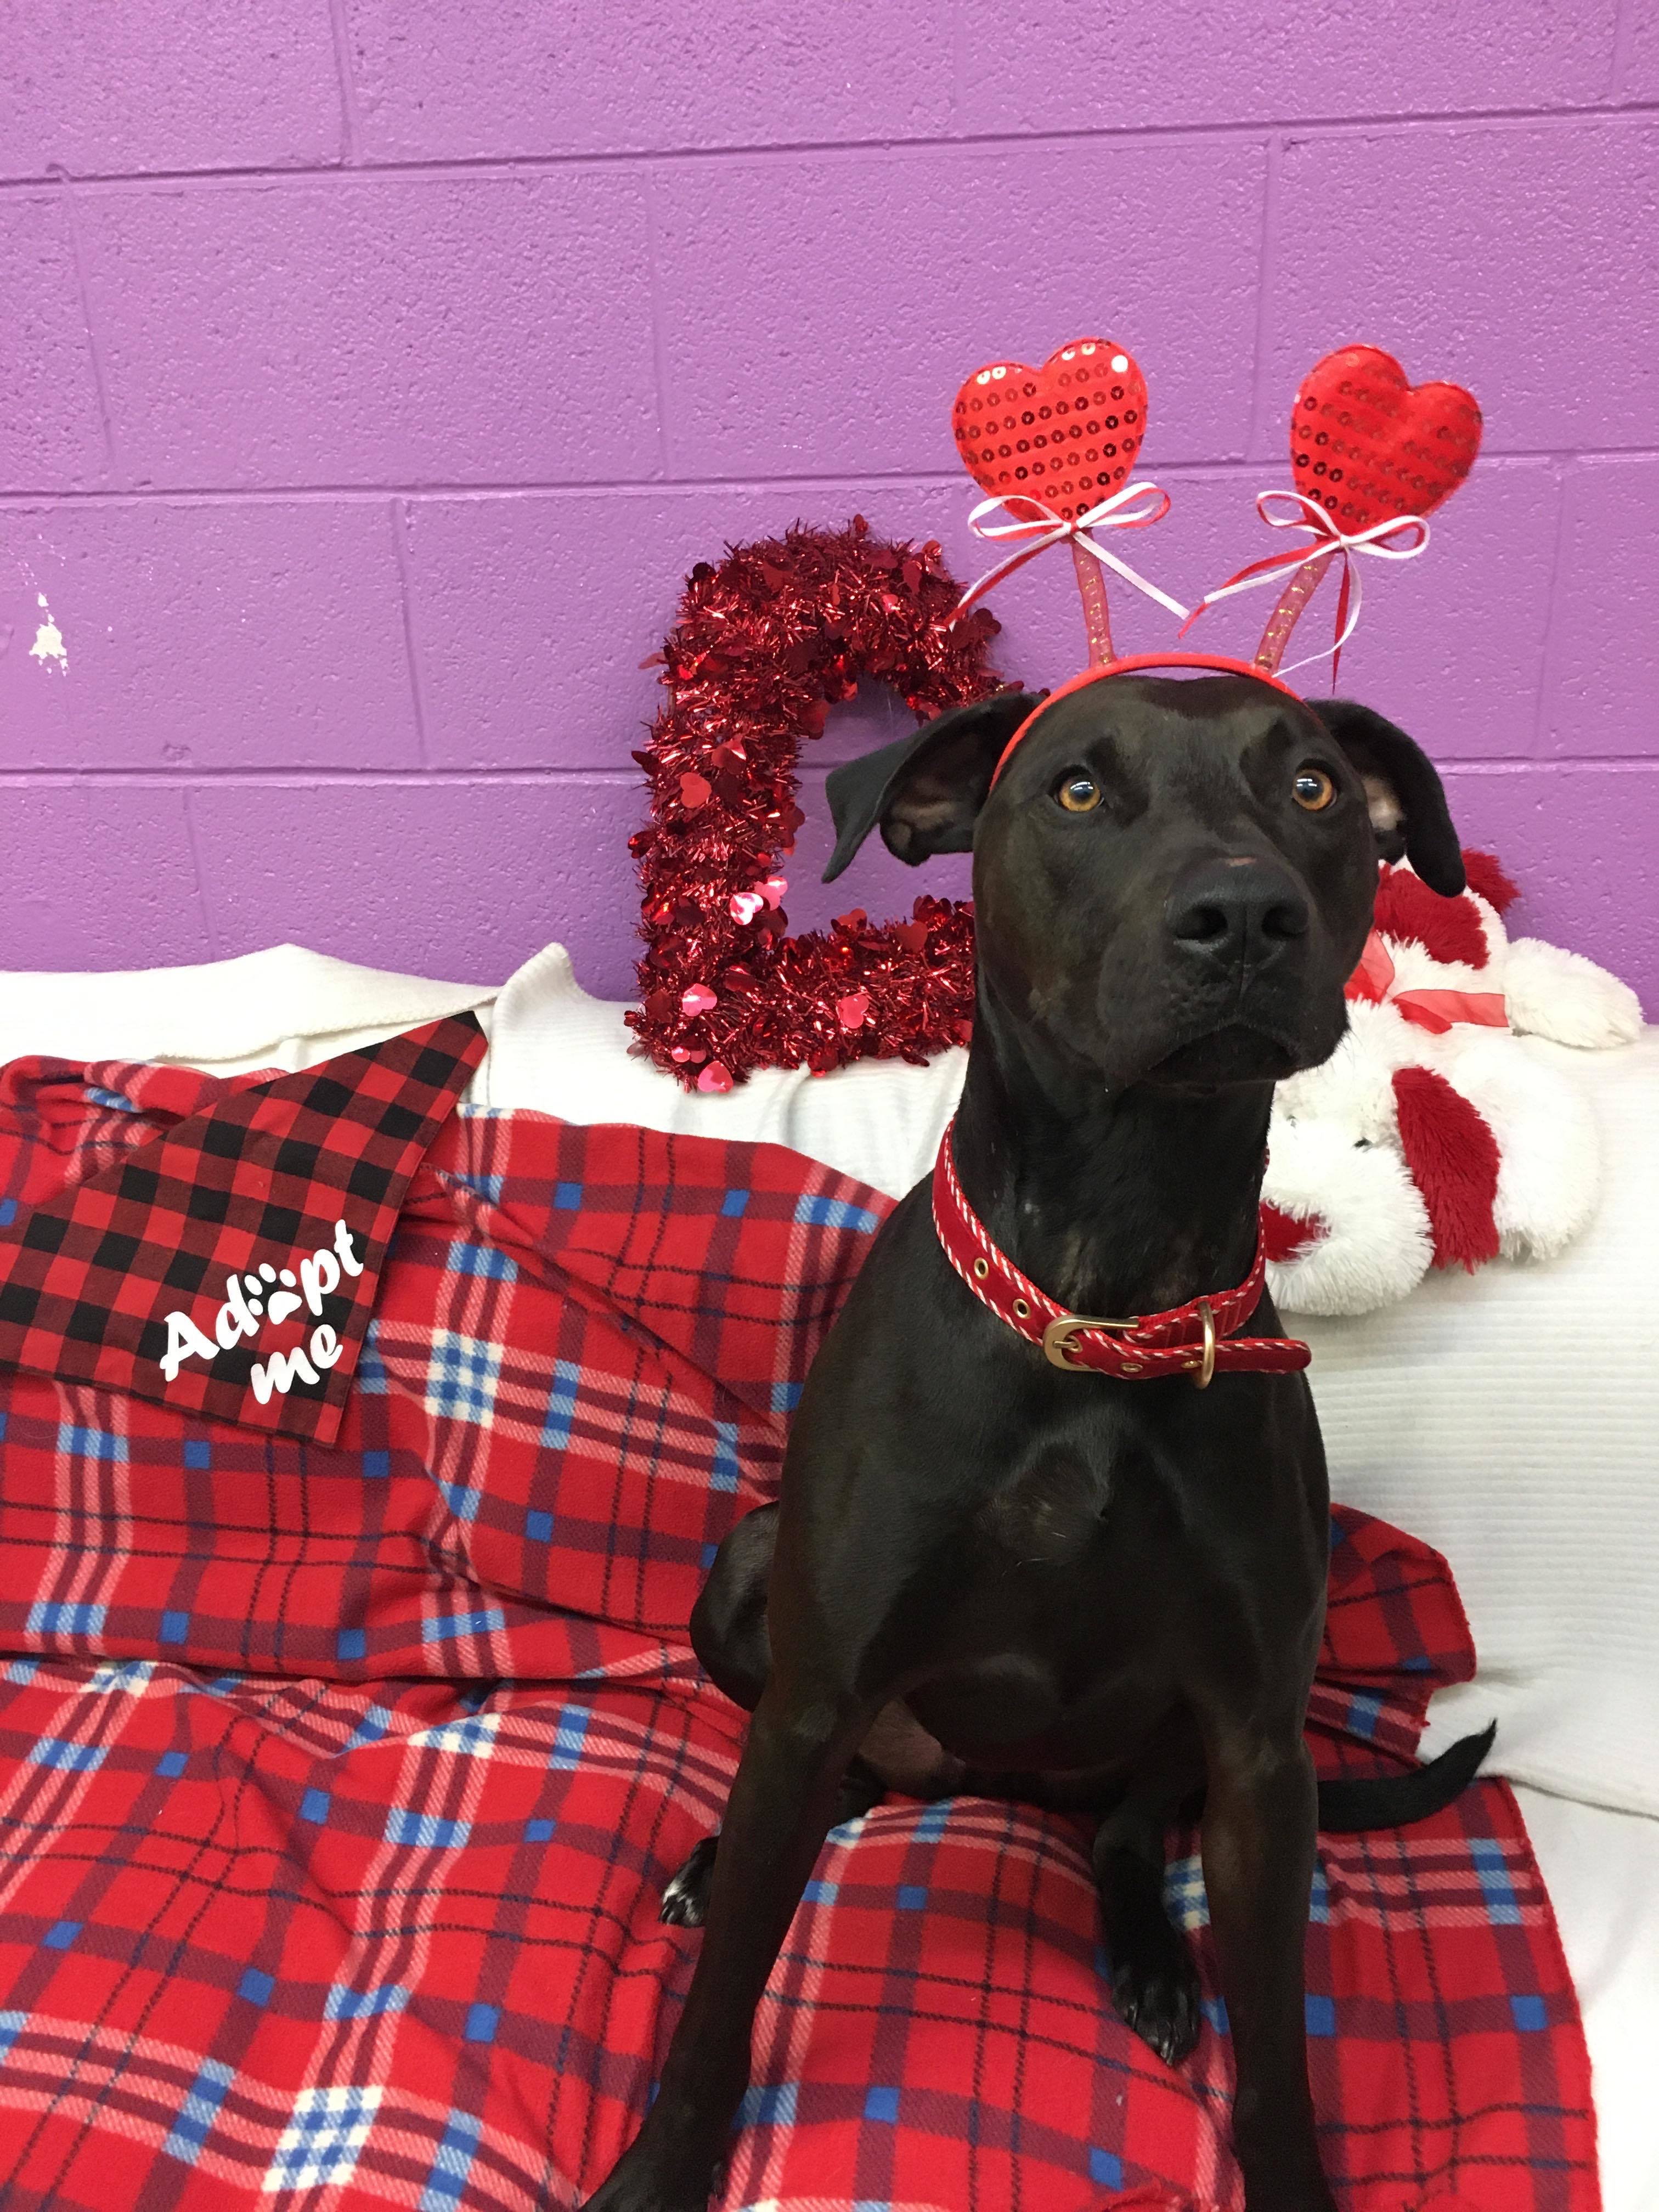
1059	1334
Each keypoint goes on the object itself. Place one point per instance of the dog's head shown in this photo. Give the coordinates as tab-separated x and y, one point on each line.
1173	879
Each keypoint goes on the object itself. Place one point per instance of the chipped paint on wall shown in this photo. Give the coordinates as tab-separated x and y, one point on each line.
48	648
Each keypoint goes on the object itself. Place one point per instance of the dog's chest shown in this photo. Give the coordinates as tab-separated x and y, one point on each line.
1072	1540
1052	1509
1049	1642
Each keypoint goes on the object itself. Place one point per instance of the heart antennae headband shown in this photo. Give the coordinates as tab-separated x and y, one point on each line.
1370	456
1055	448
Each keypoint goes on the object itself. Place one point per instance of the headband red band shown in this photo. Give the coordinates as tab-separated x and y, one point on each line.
1218	664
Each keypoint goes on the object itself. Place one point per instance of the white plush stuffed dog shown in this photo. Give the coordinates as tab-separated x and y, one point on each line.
1436	1135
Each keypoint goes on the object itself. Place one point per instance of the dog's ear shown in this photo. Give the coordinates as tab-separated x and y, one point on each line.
1407	802
924	791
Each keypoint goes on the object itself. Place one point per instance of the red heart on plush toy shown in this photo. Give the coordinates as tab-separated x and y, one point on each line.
1366	445
1066	434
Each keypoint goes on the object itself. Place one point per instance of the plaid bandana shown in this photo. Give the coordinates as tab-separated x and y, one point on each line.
229	1265
339	1786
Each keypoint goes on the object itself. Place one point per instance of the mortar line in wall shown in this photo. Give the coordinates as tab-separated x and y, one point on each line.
347	86
1267	283
195	850
483	165
410	779
94	356
1543	713
1555	764
406	597
659	341
201	776
1624	33
653	486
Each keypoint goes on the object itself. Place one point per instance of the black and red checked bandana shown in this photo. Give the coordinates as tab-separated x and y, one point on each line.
229	1267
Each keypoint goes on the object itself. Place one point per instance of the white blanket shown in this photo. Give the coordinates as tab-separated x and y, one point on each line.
284	1008
1601	1870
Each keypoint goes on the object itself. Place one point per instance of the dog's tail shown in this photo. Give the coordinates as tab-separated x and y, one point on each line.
1395	1801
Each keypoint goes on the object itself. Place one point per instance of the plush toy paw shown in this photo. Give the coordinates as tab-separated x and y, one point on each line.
1551	993
1549	1144
1346	1227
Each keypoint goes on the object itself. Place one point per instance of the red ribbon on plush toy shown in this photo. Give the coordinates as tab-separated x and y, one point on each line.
1372	980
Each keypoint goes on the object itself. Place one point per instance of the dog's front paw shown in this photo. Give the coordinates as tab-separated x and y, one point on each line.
685	1900
1156	1990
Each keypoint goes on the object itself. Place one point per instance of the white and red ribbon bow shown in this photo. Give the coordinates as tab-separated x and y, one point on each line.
1434	1010
1328	543
1135	506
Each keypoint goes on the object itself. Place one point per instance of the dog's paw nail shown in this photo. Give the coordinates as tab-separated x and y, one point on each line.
681	1912
685	1898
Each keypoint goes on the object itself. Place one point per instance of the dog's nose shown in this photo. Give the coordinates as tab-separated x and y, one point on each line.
1233	908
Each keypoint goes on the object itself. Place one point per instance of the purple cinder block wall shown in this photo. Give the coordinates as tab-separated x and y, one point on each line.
370	375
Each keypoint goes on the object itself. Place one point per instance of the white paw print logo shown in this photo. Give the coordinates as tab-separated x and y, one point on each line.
278	1304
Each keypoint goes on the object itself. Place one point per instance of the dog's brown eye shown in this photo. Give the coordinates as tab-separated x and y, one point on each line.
1078	793
1313	789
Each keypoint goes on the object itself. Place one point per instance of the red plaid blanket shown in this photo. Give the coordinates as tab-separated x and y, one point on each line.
337	1784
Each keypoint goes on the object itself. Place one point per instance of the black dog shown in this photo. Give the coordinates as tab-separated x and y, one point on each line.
988	1574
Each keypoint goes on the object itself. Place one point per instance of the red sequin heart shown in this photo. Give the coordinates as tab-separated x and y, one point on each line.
1366	445
1066	434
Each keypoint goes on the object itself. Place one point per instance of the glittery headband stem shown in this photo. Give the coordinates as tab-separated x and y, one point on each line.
1096	621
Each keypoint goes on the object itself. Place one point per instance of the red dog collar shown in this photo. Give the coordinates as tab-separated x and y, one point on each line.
1137	663
1196	1340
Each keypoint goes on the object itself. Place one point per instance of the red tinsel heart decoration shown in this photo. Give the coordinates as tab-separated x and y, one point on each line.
1366	445
765	642
1066	434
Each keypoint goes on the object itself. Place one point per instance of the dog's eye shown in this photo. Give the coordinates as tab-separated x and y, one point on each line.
1313	789
1078	793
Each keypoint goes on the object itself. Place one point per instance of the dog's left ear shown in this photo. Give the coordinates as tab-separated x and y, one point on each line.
1403	793
926	791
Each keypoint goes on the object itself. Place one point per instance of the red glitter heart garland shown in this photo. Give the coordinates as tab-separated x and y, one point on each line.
1065	434
1365	445
765	643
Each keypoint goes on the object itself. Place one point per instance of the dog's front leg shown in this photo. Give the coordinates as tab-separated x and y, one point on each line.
776	1820
1260	1824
